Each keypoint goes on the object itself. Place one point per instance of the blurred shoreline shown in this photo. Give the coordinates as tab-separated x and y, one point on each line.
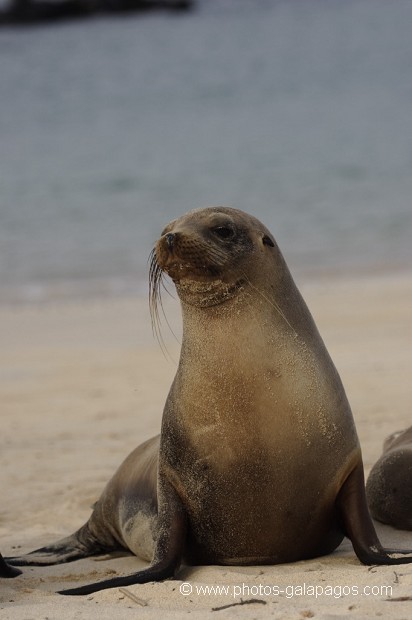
117	289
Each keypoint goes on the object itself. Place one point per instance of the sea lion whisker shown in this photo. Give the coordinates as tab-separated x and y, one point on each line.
156	283
216	255
270	302
251	308
155	300
163	285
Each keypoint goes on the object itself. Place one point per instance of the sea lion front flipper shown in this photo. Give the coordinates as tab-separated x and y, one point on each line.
169	548
6	570
358	524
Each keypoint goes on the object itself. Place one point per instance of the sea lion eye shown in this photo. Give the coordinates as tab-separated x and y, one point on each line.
268	241
224	232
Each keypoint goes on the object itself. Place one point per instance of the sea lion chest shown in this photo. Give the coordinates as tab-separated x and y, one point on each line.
256	442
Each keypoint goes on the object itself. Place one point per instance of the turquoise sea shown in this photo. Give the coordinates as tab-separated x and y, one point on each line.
298	111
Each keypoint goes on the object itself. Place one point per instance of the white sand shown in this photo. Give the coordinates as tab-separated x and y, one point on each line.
83	383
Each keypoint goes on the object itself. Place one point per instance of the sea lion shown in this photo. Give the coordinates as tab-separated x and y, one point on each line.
6	570
389	485
258	460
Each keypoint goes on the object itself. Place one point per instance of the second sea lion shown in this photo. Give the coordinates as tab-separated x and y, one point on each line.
389	485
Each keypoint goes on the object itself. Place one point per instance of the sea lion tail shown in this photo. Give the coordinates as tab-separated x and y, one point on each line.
81	544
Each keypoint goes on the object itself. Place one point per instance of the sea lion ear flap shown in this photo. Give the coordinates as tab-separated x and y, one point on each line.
266	240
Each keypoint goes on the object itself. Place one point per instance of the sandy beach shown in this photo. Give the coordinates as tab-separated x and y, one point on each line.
83	382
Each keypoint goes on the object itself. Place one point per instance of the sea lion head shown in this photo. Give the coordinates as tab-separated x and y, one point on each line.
211	254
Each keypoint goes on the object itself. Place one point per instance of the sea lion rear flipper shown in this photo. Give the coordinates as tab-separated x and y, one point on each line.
169	548
358	524
6	570
79	545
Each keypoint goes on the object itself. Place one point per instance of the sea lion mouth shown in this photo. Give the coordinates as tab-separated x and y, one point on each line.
188	256
199	282
205	294
202	291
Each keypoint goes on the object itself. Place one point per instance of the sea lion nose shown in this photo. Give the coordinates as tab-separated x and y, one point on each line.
170	240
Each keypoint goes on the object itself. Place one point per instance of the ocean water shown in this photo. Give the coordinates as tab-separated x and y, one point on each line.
298	111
